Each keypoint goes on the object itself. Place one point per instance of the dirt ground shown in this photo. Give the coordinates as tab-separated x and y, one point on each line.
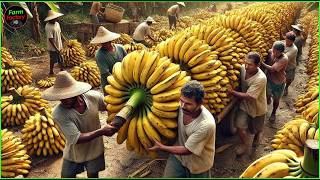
121	163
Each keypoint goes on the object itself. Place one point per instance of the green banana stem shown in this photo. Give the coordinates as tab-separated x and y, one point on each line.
310	162
16	95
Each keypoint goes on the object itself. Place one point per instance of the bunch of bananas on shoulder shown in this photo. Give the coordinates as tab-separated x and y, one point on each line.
41	135
157	83
46	82
14	158
196	58
87	72
133	47
294	134
14	73
20	105
73	53
123	39
91	49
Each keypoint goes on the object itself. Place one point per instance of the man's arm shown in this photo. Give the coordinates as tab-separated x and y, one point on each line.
53	44
242	95
64	39
178	150
107	130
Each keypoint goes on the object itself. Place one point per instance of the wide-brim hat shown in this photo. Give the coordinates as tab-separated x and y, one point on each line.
52	15
65	86
104	35
150	19
297	27
182	4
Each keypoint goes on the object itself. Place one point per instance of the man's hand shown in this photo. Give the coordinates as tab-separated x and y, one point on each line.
156	146
230	91
108	130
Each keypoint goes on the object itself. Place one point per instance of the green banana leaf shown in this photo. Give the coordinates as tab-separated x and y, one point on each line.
53	6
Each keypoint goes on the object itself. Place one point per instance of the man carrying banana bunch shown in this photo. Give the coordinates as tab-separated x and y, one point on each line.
253	106
193	153
108	54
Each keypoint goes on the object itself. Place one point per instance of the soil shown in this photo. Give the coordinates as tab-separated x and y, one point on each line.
121	163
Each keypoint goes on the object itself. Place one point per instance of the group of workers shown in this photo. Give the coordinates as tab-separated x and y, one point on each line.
192	155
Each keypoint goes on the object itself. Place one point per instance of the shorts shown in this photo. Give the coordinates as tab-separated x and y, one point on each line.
276	90
290	73
71	169
245	121
174	169
55	57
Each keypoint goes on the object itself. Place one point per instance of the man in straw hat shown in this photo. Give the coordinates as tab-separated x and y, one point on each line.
173	14
143	30
77	114
108	54
299	41
54	39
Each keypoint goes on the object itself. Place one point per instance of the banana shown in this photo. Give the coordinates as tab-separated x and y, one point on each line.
122	133
114	92
167	96
274	170
132	134
163	85
164	114
303	131
154	78
141	133
160	126
149	129
186	45
178	46
311	132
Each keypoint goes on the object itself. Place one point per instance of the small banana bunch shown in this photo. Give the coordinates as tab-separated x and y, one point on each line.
277	164
123	39
15	75
91	49
35	49
133	47
47	82
294	134
152	85
201	63
20	105
308	105
14	159
73	53
6	57
87	72
41	135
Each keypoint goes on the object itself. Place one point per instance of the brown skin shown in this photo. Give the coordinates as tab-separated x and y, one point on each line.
289	43
79	105
191	109
108	46
149	24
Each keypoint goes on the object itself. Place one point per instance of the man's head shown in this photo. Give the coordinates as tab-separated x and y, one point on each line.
191	99
252	62
53	16
53	21
278	48
149	20
290	38
297	29
69	102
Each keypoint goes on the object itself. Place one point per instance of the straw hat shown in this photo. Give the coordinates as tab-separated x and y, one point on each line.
297	27
150	19
52	15
65	86
182	4
104	35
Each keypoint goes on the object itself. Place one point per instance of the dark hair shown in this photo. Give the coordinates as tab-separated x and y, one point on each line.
193	89
279	46
254	56
290	36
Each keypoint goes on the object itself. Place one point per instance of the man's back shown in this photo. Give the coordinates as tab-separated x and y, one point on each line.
173	10
53	31
141	30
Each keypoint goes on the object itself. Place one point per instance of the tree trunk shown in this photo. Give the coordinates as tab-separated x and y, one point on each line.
35	22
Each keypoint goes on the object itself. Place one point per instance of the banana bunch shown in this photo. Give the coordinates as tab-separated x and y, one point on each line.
14	158
133	47
15	75
91	49
35	49
277	164
152	83
47	82
20	105
73	53
41	135
308	104
294	134
6	57
123	39
196	58
87	72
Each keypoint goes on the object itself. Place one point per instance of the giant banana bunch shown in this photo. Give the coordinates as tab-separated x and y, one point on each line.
16	74
87	72
14	158
91	49
6	57
123	39
47	82
41	135
133	47
202	64
20	105
308	105
294	134
73	53
277	164
151	85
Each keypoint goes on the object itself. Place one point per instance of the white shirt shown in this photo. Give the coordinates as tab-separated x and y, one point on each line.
141	31
53	31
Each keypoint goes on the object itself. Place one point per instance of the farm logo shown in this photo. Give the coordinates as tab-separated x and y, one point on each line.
15	17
